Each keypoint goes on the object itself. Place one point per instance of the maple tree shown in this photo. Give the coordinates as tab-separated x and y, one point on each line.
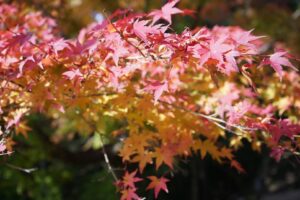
175	94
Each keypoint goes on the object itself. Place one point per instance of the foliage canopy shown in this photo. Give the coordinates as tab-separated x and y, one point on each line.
170	94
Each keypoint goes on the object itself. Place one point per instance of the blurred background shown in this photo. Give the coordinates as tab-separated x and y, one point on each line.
50	164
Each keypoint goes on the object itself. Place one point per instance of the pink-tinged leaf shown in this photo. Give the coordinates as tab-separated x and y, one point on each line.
59	45
141	29
59	107
158	89
28	61
277	60
129	194
236	112
129	179
216	49
2	147
230	58
78	48
166	12
17	117
7	61
242	37
269	110
276	153
72	74
158	184
116	45
19	39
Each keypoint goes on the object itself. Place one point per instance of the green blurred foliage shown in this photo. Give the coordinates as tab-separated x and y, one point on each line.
54	176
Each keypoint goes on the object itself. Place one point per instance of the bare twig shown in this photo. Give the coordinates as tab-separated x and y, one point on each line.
107	161
106	158
26	170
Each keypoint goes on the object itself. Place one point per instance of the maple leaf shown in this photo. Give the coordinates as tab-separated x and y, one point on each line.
117	59
141	29
166	12
126	152
236	112
208	147
29	62
2	146
164	155
235	164
226	153
129	179
143	159
116	46
157	184
16	119
19	39
277	152
230	58
216	49
78	48
59	45
158	89
72	74
283	127
22	128
277	60
9	143
245	38
129	194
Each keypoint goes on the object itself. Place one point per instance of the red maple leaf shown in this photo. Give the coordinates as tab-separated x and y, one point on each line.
19	39
129	179
277	152
166	12
235	164
129	194
158	184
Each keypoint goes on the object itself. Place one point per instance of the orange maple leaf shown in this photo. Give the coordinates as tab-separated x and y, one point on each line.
143	159
164	155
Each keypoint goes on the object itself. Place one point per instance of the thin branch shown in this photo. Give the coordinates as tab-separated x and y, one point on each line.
217	121
7	153
28	171
211	118
106	158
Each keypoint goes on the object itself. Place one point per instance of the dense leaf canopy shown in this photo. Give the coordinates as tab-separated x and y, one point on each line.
200	91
